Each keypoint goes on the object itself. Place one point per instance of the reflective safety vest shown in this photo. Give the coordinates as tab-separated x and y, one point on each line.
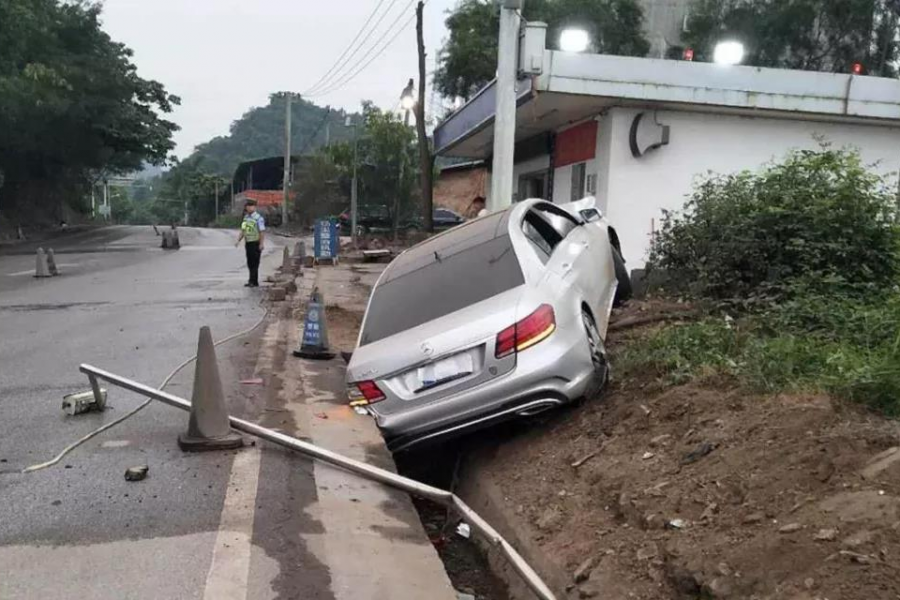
250	227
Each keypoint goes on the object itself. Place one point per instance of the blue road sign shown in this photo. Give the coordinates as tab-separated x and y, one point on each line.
327	239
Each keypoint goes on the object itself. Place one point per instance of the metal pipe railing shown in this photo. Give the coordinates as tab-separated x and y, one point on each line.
383	476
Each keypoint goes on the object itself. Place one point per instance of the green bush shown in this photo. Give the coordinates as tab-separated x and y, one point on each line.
818	218
845	347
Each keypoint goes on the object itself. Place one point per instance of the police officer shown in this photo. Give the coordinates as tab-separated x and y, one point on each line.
252	232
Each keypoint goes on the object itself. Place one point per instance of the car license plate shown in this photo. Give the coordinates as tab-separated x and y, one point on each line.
445	370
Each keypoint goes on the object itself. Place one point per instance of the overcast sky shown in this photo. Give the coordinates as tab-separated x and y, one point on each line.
223	57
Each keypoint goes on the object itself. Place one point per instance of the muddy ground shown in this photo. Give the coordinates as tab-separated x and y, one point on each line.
704	491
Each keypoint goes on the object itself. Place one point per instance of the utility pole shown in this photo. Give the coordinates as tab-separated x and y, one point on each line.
505	111
353	186
217	199
328	134
426	161
287	157
107	209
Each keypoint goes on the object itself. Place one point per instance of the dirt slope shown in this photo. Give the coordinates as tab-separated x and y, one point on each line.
707	492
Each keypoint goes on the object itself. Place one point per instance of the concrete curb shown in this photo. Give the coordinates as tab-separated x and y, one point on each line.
479	490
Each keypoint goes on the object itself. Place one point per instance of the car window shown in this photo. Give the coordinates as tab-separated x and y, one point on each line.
560	220
541	235
443	213
444	285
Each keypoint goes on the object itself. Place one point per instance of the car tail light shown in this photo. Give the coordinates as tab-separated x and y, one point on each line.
526	333
364	392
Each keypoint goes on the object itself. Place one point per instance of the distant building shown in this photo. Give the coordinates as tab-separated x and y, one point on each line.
665	21
262	180
458	184
636	132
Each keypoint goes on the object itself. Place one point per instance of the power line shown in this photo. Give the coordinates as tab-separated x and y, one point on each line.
341	62
348	78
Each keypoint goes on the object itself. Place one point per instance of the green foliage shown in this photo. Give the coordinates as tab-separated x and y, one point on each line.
848	348
468	60
808	251
71	104
229	221
259	133
814	35
816	222
385	143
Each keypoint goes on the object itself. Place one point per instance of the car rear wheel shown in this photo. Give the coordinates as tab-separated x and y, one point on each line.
598	353
623	289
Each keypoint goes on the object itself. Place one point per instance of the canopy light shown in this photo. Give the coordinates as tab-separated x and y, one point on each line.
728	53
574	40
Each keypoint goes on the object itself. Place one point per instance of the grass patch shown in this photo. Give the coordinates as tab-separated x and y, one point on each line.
849	349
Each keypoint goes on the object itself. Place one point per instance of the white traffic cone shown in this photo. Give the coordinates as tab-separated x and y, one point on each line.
51	262
208	428
40	264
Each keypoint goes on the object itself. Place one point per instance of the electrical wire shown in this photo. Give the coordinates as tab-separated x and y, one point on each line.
340	63
140	407
350	77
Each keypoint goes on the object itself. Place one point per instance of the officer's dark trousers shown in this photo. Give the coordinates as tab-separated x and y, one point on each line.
253	254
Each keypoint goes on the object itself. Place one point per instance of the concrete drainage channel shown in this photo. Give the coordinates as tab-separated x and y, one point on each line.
466	560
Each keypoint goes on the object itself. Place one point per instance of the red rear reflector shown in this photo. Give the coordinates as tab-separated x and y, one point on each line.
366	392
526	333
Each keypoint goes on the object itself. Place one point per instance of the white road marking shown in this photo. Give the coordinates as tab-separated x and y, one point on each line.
31	271
229	571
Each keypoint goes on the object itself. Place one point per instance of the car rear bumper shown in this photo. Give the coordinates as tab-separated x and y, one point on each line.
544	378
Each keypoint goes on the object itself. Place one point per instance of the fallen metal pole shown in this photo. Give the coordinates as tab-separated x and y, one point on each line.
383	476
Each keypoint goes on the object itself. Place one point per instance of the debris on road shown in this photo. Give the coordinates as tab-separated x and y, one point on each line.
463	530
136	473
253	381
83	402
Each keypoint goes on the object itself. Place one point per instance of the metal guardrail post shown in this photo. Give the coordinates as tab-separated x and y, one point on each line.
383	476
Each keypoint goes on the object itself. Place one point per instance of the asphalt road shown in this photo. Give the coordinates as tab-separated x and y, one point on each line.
122	304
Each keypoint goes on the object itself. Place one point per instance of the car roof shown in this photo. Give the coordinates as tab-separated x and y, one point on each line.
460	238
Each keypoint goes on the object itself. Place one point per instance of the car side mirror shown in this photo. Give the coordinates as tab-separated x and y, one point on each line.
590	215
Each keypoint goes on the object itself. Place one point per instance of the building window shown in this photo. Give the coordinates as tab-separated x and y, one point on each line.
579	173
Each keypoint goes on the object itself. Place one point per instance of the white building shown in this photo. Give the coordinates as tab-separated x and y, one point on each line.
636	132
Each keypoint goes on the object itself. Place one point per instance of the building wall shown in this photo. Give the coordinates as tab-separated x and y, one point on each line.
455	189
532	165
639	189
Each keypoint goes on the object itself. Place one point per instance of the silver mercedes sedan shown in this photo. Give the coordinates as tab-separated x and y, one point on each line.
502	317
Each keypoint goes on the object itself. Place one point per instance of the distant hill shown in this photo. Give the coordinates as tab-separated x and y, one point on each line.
259	133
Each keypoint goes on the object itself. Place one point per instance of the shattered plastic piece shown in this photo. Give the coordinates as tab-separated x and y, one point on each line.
648	455
254	381
361	410
464	530
136	473
677	524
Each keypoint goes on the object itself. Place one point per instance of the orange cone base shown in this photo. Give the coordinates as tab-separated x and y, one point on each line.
205	444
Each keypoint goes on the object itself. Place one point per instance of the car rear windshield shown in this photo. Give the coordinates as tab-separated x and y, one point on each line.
446	284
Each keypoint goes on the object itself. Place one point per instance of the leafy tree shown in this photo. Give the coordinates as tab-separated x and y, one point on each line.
72	107
323	182
191	182
468	60
812	35
259	133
